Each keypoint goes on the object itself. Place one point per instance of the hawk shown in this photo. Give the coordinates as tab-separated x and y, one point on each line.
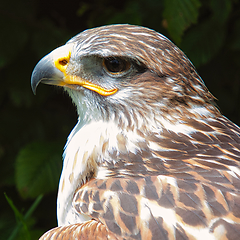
151	156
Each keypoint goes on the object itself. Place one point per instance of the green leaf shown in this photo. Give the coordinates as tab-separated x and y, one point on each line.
179	15
18	215
204	41
20	222
38	168
22	227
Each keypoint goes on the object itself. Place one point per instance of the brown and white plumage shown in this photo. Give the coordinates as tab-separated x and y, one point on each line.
151	157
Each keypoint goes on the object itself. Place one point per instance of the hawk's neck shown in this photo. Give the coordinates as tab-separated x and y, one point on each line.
88	146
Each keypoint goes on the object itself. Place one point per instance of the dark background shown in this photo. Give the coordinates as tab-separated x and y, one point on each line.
34	129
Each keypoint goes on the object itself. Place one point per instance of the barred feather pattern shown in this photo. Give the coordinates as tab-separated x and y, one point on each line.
156	160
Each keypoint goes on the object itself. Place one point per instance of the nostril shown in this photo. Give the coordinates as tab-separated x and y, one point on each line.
63	62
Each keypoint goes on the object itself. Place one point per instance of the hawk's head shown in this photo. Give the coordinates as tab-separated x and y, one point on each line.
124	72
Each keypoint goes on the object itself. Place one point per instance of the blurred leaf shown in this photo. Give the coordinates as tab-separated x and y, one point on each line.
38	168
22	225
205	40
179	15
20	222
18	215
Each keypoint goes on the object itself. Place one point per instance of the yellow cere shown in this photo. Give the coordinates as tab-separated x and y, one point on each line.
61	57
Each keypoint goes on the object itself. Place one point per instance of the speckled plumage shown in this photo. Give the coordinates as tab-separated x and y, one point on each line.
153	159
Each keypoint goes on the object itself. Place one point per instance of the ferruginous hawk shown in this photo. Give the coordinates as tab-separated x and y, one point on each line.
151	156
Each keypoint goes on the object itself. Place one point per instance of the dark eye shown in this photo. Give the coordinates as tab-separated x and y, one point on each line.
116	65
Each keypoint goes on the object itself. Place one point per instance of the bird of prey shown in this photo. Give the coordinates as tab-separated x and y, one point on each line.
151	156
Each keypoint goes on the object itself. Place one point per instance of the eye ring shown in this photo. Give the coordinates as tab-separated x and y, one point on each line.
116	65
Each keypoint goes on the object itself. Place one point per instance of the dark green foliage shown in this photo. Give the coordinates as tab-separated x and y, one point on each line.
207	38
41	164
179	15
34	129
22	228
